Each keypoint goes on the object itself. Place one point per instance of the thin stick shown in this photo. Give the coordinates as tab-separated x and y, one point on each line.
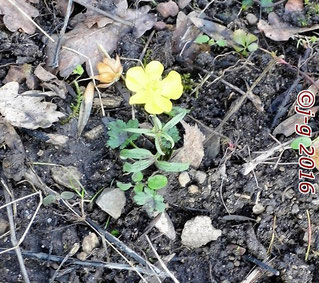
272	236
146	45
309	235
13	234
55	62
161	261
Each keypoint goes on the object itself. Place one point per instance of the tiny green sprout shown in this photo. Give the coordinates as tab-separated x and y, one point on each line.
49	199
267	5
313	39
246	4
202	39
115	232
78	70
305	141
123	186
205	39
246	42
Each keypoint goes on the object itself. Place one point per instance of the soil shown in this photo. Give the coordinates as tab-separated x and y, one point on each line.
55	229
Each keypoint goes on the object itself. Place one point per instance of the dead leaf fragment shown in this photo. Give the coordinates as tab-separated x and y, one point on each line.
193	150
50	81
25	110
294	6
280	31
86	107
287	127
14	20
19	74
13	161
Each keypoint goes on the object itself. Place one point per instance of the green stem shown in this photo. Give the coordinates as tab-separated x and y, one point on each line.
133	144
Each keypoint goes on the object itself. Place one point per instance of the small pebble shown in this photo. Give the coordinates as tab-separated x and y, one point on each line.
258	208
282	169
192	189
160	25
168	9
251	19
295	209
184	179
237	263
4	225
90	242
200	176
82	256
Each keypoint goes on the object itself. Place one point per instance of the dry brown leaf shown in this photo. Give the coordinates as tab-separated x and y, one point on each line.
26	111
193	150
13	161
14	20
86	107
294	6
287	127
280	31
19	74
85	40
50	81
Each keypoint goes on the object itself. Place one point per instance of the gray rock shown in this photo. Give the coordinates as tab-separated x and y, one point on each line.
4	225
258	208
193	189
183	3
200	176
112	201
184	179
68	177
165	226
168	9
199	231
295	209
90	242
251	19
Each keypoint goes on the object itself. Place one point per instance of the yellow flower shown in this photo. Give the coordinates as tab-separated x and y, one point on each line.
151	90
109	70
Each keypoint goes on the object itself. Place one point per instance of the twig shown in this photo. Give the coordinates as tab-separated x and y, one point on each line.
161	261
55	62
309	235
13	234
146	45
106	14
272	236
87	263
261	264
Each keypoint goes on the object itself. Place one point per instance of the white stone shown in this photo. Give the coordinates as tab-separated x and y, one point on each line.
90	242
258	208
193	189
184	179
199	231
112	201
200	176
165	226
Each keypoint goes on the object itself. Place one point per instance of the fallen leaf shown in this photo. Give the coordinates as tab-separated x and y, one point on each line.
193	150
14	20
13	161
86	107
85	40
50	81
287	127
26	110
280	31
19	74
294	6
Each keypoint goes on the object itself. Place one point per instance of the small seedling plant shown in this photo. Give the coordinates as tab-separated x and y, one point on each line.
155	93
245	42
205	39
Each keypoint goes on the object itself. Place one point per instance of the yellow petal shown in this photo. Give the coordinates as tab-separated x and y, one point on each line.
135	78
172	86
154	70
140	97
158	105
152	108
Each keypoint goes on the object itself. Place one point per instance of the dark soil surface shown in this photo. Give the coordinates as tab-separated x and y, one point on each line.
56	229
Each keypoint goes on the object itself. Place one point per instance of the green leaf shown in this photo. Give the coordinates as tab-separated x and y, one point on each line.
211	42
158	145
266	4
159	203
176	110
137	177
250	38
136	153
78	70
123	186
171	123
171	166
115	232
221	42
157	123
138	188
247	4
140	198
67	195
252	47
118	137
202	39
138	131
49	199
137	166
174	134
301	140
239	36
157	182
239	49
